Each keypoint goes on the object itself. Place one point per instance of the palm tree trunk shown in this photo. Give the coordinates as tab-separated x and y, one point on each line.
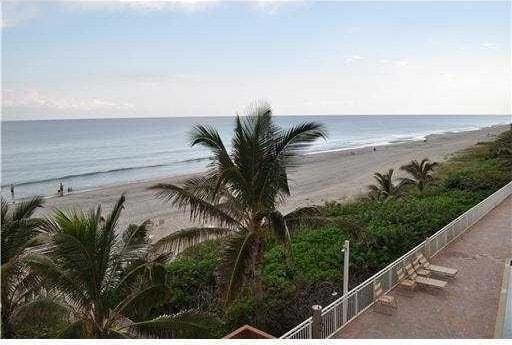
258	276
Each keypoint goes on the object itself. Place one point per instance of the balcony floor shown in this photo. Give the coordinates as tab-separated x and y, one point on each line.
467	307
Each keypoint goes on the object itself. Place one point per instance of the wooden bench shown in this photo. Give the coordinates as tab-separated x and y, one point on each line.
445	271
384	304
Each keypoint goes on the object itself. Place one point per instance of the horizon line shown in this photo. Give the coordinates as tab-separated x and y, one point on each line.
228	116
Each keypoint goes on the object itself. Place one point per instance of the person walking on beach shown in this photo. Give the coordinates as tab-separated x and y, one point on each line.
61	189
12	193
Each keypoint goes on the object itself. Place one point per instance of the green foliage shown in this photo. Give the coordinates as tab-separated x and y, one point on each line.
243	311
478	175
317	255
19	233
193	273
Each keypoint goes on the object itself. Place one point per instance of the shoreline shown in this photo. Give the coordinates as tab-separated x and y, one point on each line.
328	176
314	153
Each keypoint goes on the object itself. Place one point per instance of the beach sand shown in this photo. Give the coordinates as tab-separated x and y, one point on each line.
322	177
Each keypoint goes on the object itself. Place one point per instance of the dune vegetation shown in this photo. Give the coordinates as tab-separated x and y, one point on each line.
75	274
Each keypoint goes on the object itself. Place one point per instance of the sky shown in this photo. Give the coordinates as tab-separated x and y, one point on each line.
96	59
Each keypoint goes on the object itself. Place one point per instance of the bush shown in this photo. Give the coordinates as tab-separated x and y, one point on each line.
193	276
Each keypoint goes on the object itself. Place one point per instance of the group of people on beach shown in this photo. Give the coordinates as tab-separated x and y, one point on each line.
60	191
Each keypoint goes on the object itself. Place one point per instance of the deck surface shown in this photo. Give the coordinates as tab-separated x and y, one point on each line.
467	306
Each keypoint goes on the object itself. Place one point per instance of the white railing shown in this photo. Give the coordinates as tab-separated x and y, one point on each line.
340	312
301	331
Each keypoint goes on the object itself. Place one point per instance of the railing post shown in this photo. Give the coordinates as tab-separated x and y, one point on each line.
346	261
356	296
427	247
316	324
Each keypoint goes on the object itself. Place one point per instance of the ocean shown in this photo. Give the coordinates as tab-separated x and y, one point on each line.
86	154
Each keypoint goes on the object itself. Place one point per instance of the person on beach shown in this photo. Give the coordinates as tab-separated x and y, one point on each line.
12	193
61	189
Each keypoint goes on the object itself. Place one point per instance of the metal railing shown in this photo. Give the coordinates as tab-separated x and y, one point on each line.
343	310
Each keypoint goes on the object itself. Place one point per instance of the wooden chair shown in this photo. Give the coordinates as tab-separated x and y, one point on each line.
384	304
445	271
424	281
419	269
406	285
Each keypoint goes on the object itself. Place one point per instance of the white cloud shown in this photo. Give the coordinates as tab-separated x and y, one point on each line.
353	58
20	11
142	5
33	99
272	7
489	45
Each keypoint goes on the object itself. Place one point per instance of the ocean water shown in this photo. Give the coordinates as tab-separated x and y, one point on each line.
87	154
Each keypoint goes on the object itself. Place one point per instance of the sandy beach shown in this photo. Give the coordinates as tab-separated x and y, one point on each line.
323	177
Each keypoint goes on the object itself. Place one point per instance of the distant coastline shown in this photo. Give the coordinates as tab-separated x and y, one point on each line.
159	149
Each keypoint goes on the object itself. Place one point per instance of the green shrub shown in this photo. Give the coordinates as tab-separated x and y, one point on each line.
193	273
477	176
317	257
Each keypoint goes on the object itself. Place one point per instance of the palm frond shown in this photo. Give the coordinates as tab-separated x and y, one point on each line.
199	209
209	137
60	281
74	330
134	241
25	209
280	228
420	172
40	308
181	240
139	301
236	259
303	216
113	217
181	325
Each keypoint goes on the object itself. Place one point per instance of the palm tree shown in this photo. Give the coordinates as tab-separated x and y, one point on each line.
385	187
105	278
238	197
18	233
421	172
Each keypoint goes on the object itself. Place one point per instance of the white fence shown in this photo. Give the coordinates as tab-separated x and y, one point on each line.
340	312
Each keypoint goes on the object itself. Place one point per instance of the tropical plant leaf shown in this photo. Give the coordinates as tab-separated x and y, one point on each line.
199	209
236	259
181	240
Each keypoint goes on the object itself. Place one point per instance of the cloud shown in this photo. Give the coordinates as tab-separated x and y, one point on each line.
353	58
141	5
489	45
21	11
272	7
14	13
33	99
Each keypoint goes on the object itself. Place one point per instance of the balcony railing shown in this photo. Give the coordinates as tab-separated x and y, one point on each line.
360	298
